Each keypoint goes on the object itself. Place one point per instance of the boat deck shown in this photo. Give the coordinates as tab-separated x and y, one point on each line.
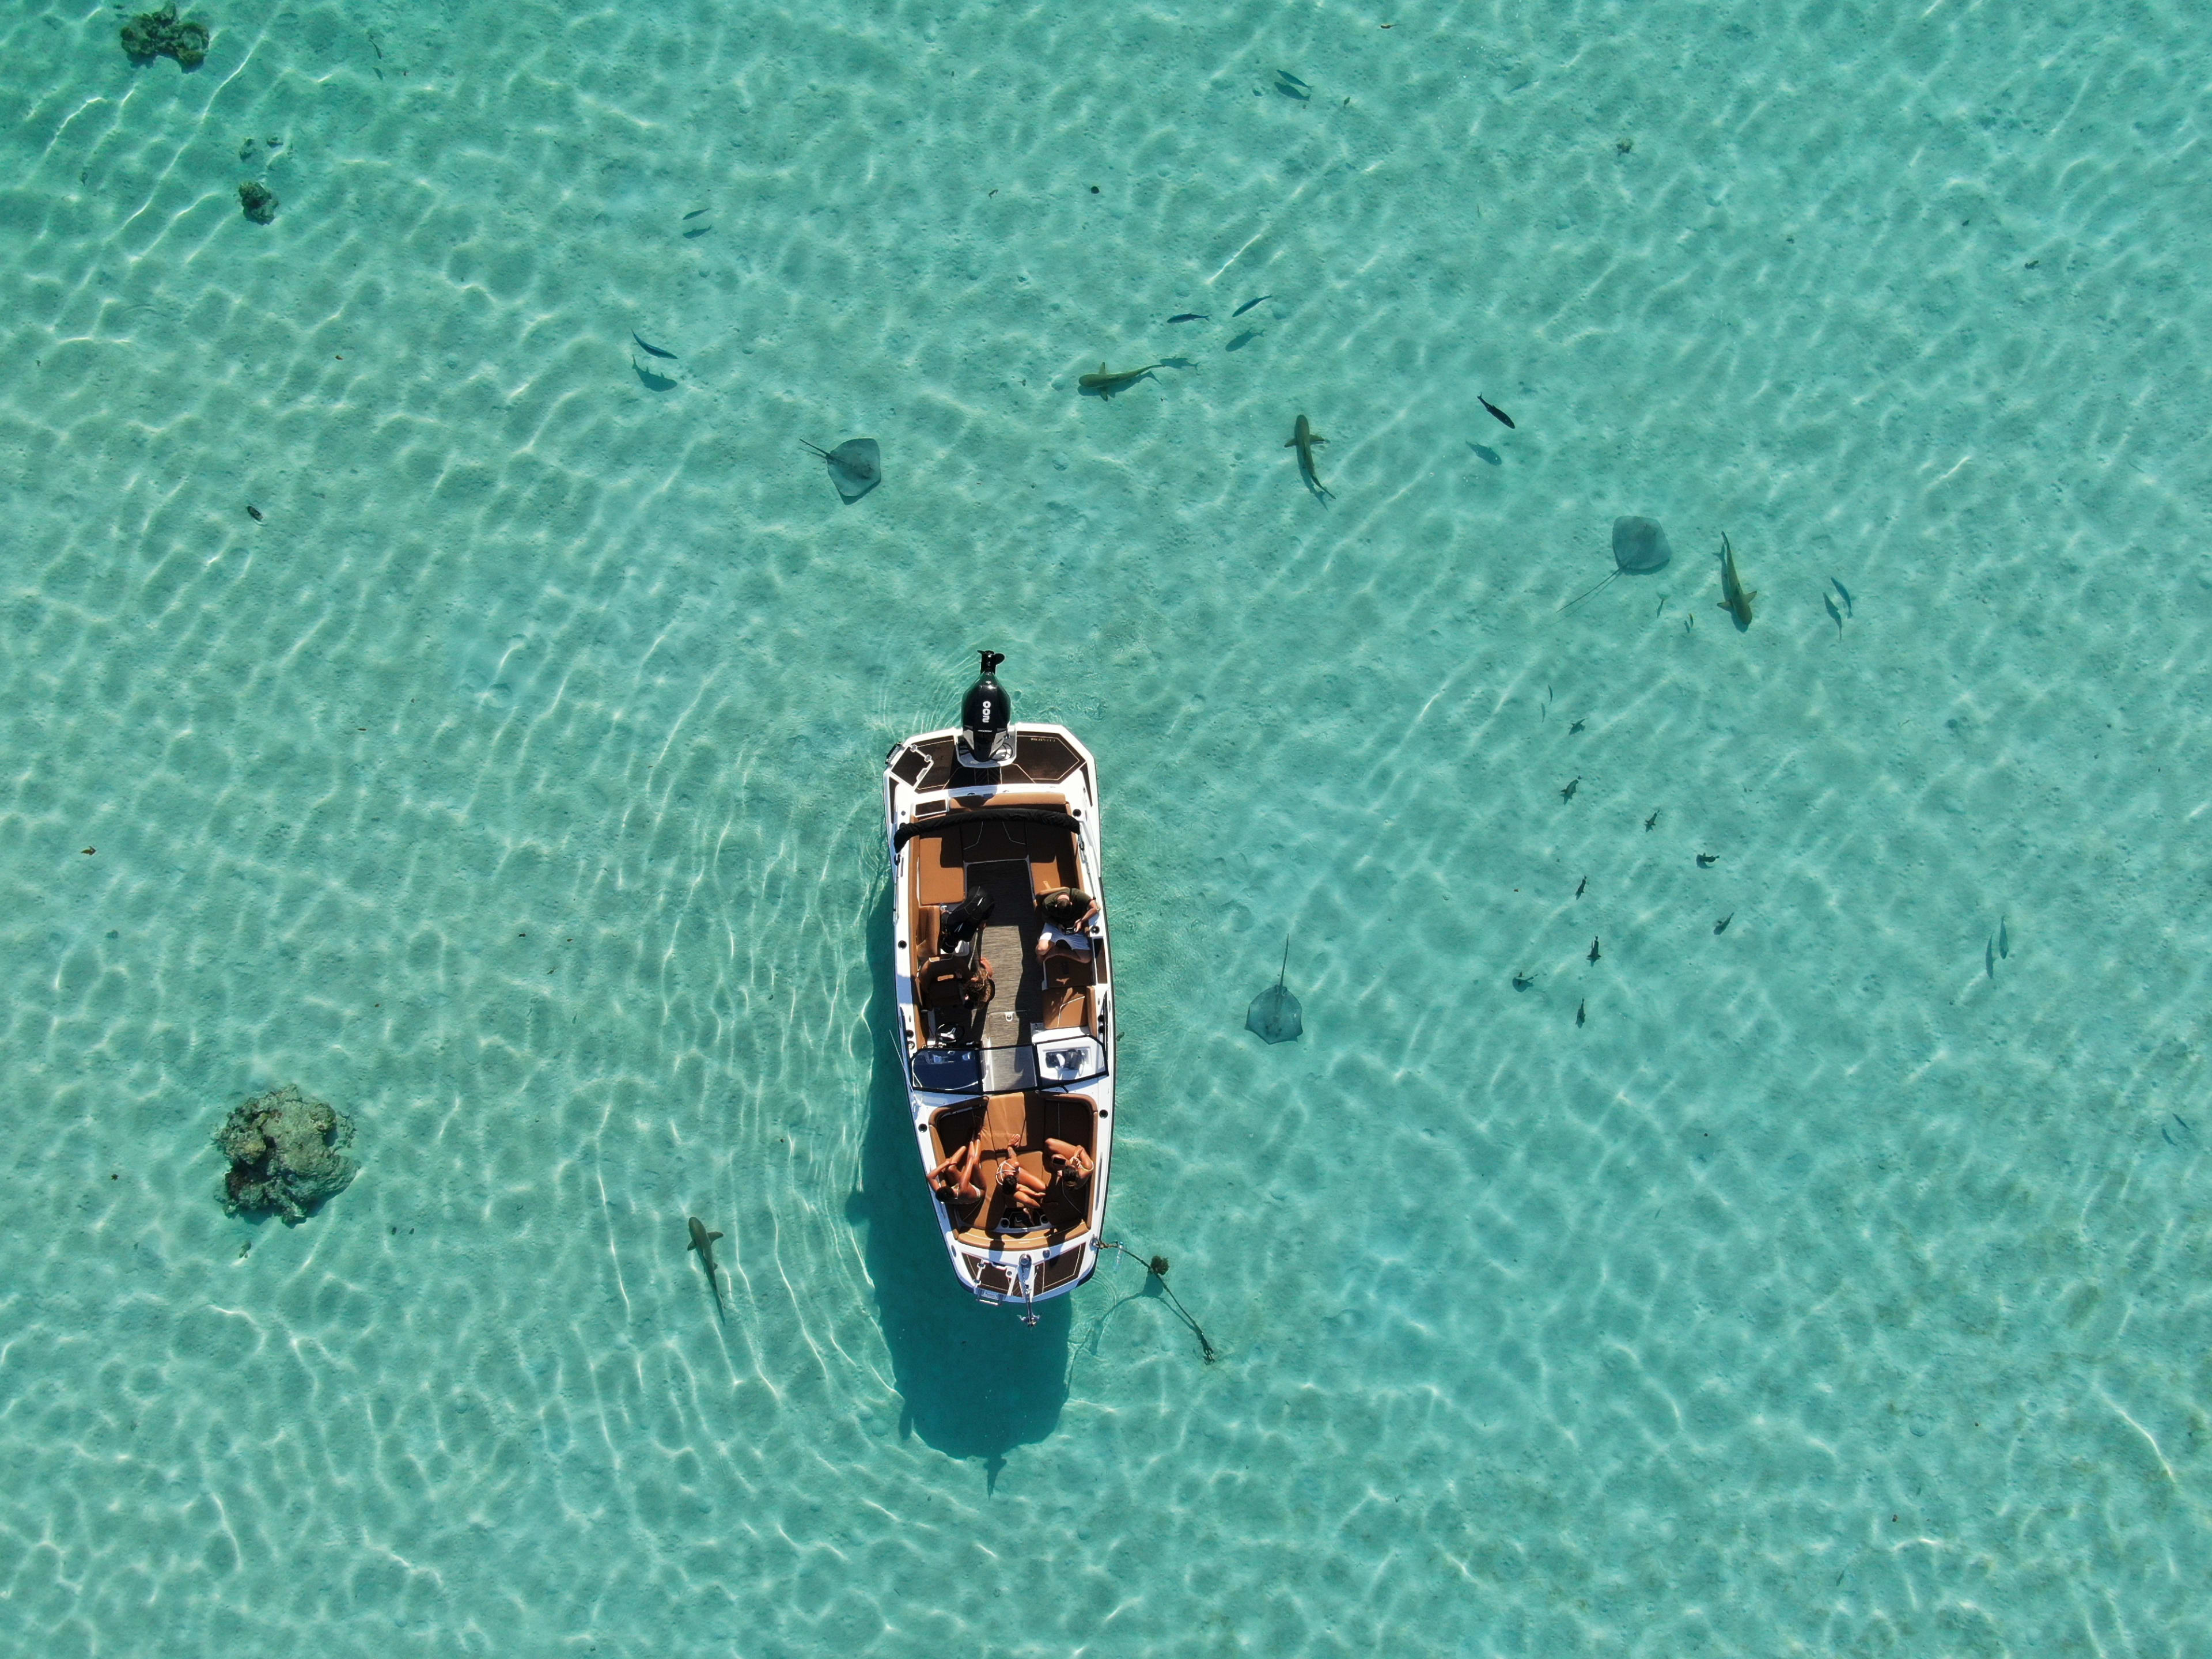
1017	1125
1013	863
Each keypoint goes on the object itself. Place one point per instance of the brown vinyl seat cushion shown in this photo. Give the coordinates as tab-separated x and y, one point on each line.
939	875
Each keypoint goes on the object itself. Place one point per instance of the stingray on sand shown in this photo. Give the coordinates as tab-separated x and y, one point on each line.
856	467
1639	547
1274	1016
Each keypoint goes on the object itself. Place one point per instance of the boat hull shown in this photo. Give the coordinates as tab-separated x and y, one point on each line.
1025	1073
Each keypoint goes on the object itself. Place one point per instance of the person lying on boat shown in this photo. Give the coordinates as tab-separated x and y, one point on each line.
1024	1191
1028	1185
954	1178
1074	1164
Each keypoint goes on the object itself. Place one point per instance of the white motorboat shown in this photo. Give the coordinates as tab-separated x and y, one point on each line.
1006	992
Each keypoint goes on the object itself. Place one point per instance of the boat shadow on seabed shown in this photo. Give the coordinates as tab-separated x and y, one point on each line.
975	1382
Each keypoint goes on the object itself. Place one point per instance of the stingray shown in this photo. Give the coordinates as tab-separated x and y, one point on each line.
1274	1015
856	467
1639	547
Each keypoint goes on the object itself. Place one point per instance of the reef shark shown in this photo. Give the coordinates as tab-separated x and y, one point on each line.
703	1242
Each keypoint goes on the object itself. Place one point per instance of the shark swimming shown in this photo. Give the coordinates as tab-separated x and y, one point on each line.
703	1242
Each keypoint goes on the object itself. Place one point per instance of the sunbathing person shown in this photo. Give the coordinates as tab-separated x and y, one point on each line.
1023	1193
1070	1160
1027	1184
954	1178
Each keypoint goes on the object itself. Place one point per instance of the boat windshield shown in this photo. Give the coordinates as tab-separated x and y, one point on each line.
948	1071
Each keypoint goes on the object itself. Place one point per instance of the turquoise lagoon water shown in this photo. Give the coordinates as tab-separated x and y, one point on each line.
1837	1285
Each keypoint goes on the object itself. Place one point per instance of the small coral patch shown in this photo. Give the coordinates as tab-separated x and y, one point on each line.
286	1155
162	33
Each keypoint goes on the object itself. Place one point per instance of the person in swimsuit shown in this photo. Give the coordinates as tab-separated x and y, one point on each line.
1072	1164
1025	1192
954	1178
1025	1185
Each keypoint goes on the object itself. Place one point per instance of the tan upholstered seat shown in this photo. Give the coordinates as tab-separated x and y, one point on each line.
940	878
1053	861
1006	1124
1067	1008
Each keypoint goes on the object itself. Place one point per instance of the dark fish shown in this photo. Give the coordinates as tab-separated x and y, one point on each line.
1594	950
1190	317
1706	860
1494	410
1846	592
2004	942
1292	79
1579	886
1568	793
689	234
1524	979
695	213
1990	959
1653	819
703	1242
1247	306
1290	87
650	351
1721	926
254	512
1736	597
1576	727
1302	439
1106	384
1581	1009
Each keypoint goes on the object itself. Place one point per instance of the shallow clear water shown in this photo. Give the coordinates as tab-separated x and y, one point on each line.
1840	1285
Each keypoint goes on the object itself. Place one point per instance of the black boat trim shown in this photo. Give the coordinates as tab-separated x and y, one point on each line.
906	832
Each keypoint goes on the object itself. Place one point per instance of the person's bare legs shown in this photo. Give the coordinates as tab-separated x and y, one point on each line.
1076	1158
961	1167
1028	1185
970	1190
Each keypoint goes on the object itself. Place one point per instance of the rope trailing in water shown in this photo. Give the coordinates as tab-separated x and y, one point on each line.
1157	1268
